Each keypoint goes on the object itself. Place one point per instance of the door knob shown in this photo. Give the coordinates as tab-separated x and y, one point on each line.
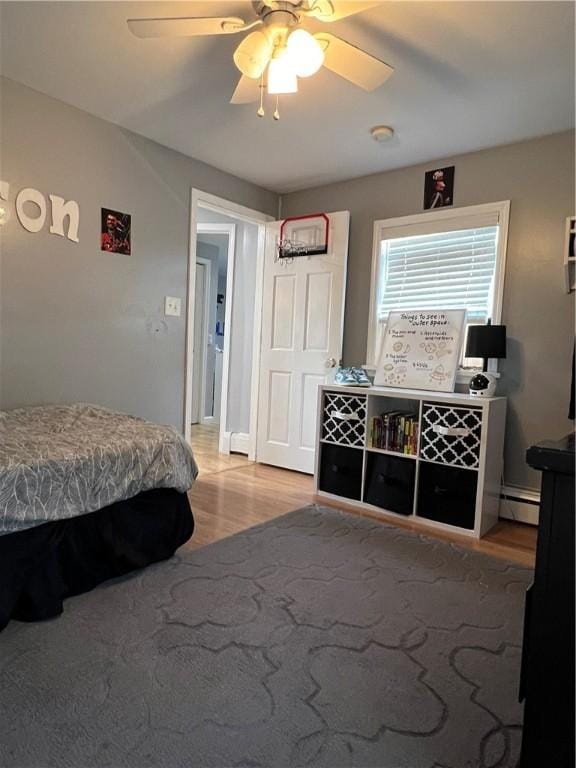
331	362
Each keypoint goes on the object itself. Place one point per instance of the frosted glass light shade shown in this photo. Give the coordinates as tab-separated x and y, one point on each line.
281	76
253	54
305	52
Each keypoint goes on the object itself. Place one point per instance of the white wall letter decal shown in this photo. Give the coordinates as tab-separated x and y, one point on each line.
4	190
60	209
30	195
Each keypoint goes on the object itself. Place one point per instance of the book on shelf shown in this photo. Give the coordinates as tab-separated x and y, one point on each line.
395	431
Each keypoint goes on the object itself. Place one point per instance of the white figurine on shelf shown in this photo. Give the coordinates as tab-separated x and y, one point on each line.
488	342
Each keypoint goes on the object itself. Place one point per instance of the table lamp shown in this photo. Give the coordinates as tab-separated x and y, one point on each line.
488	342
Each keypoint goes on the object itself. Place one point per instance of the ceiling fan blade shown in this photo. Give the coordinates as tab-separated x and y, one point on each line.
353	63
186	27
334	10
246	91
253	54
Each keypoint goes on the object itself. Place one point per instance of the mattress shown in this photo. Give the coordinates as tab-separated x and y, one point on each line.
58	462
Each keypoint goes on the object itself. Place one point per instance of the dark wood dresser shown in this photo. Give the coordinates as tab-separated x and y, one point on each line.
547	680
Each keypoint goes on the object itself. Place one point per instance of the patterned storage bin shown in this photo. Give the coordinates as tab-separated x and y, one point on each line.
451	435
343	419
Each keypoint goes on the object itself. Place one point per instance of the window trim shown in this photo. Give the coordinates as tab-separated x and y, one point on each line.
502	211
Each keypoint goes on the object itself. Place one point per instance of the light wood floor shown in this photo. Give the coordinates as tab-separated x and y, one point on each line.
205	446
232	493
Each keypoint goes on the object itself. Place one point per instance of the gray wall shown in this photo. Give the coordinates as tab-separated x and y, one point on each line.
538	178
77	323
80	324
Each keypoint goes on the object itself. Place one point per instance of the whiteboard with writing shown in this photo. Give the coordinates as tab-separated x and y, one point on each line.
421	350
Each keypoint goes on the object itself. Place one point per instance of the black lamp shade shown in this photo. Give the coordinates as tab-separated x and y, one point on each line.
486	341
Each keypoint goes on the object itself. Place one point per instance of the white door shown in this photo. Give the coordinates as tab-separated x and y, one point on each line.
199	336
302	325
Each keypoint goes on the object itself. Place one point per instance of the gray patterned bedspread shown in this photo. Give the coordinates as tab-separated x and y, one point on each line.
62	461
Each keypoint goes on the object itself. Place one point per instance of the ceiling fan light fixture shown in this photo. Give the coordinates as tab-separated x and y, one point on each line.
281	76
278	50
306	53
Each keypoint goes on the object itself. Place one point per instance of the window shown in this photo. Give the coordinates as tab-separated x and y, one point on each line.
445	259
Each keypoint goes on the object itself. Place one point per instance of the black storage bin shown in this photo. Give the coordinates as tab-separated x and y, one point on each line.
341	471
447	494
390	483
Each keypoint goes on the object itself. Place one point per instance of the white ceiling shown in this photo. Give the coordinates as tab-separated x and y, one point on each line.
468	75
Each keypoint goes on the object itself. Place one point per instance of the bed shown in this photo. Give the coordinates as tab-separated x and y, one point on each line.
86	494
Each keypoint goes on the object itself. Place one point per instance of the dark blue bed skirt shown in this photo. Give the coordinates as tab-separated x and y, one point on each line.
41	566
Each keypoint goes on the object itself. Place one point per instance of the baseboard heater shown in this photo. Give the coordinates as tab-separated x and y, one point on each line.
519	504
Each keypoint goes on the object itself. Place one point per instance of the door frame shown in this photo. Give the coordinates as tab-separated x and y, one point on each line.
204	338
230	231
200	199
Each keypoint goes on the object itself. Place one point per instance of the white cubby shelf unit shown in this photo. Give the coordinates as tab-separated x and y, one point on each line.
451	477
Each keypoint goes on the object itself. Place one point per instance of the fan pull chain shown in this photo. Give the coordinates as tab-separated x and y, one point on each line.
276	114
260	112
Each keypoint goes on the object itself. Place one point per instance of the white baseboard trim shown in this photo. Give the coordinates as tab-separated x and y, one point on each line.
519	504
225	440
239	442
234	442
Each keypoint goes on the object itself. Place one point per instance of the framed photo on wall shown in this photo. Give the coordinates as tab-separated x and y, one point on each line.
439	187
115	231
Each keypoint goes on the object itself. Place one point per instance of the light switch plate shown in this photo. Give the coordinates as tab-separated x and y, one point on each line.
172	306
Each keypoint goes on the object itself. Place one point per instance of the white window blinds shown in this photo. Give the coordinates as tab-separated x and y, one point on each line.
440	270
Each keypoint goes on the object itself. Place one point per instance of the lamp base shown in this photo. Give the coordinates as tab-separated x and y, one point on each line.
482	385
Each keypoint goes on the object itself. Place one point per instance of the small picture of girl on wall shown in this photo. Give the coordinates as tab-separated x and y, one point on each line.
439	188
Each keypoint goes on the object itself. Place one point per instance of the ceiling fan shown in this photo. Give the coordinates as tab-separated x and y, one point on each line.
278	50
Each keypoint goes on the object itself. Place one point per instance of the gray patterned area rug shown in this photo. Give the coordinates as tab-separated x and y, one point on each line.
317	639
